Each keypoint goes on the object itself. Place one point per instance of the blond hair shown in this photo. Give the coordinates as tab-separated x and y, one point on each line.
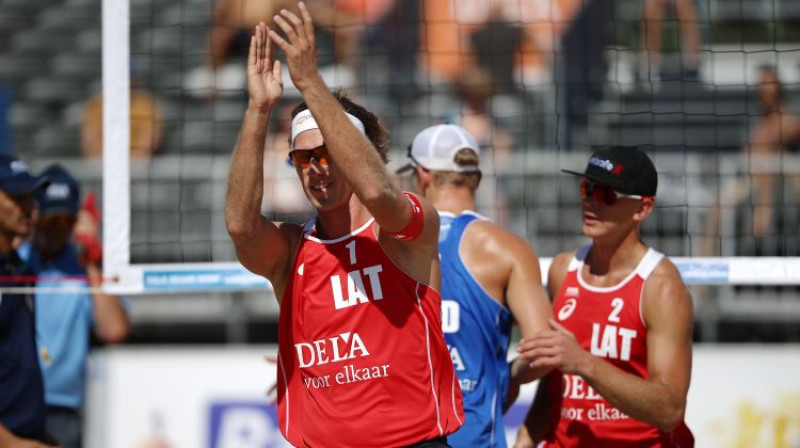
464	157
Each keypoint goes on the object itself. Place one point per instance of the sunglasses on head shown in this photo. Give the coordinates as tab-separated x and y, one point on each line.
302	157
411	157
603	194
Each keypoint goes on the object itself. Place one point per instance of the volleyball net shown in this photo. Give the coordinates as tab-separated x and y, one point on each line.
712	99
548	106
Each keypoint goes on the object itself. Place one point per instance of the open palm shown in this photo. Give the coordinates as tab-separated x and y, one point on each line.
264	83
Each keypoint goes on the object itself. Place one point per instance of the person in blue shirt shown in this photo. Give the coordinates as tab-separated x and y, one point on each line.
64	319
22	409
490	280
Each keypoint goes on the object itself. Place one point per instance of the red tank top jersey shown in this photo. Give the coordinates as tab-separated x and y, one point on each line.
362	358
607	322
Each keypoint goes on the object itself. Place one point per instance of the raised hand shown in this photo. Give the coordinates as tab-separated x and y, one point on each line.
264	82
299	45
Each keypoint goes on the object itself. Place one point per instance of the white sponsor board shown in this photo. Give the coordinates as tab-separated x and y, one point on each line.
216	398
745	396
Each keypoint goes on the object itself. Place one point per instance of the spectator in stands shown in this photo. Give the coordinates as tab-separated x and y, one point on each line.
686	13
65	251
22	409
584	69
392	41
233	20
476	89
763	187
496	46
777	129
145	130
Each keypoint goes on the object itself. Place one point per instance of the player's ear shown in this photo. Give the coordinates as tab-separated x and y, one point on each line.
646	206
422	179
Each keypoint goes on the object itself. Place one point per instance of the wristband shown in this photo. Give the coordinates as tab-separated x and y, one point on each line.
414	227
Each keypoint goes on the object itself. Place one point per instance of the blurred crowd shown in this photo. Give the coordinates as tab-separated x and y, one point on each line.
517	75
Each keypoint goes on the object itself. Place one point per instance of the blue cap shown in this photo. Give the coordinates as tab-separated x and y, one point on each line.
16	179
62	196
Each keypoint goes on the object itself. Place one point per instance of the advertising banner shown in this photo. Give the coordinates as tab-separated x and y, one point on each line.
218	398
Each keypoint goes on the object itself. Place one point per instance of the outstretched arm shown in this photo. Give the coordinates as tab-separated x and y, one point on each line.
261	245
361	165
541	309
527	301
537	422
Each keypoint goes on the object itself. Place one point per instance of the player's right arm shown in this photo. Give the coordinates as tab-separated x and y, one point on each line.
525	298
555	278
537	422
262	246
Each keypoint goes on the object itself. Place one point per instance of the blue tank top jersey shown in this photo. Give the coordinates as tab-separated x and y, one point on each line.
477	330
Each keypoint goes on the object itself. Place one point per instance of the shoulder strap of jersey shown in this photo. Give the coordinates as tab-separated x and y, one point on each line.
308	227
579	258
449	247
649	262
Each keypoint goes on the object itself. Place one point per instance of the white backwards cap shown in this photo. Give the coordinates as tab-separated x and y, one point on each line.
435	149
304	121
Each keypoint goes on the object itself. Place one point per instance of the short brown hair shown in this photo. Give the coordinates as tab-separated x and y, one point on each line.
464	157
373	127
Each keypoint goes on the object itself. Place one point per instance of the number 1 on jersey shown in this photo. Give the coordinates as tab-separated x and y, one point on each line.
352	246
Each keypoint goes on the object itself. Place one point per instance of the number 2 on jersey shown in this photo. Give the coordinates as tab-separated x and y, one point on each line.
617	304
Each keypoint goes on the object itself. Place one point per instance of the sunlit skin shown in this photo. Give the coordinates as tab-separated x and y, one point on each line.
609	226
600	219
16	214
324	185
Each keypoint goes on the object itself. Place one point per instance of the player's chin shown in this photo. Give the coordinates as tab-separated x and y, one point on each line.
592	228
324	203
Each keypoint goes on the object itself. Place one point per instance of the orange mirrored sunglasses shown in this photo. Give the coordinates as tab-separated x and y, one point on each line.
602	194
302	157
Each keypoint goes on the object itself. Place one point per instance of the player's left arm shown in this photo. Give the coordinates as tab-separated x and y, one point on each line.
668	314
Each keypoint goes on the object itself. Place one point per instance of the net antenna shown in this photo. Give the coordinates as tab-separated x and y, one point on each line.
116	141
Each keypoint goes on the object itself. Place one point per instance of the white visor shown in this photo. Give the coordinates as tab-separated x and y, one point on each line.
304	121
